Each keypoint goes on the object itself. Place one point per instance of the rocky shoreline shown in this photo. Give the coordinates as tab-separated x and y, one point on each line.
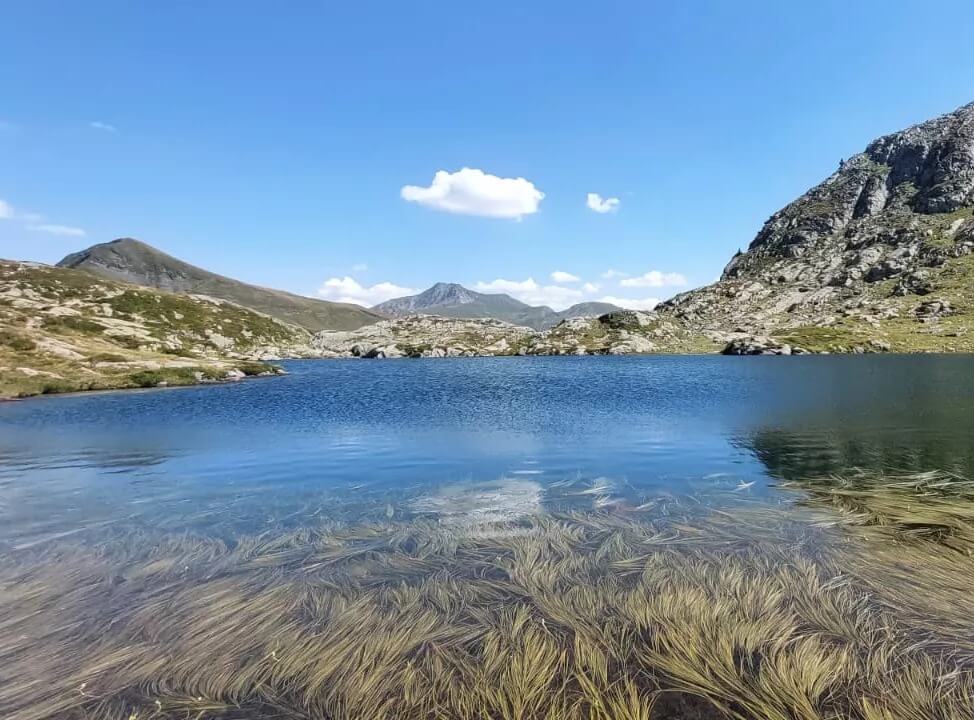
421	336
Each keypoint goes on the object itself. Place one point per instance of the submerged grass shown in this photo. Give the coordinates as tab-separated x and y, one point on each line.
757	613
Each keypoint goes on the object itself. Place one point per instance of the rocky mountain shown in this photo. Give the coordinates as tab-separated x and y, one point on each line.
441	295
64	330
876	257
453	300
136	262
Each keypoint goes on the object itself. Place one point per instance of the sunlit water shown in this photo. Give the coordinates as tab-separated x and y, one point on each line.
468	440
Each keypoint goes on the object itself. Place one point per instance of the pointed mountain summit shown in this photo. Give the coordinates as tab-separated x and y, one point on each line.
441	295
136	262
453	300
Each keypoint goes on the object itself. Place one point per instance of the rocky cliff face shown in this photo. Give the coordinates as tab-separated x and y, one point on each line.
876	256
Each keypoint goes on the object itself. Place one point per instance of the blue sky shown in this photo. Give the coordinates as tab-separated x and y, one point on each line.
272	141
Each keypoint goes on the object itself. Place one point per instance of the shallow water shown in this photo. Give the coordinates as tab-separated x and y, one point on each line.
696	538
363	440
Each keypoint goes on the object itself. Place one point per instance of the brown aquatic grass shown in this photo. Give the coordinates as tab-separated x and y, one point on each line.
844	610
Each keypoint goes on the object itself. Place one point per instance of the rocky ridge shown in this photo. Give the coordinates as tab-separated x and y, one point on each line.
876	257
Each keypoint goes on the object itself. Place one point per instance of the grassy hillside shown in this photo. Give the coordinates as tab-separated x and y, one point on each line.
65	330
136	262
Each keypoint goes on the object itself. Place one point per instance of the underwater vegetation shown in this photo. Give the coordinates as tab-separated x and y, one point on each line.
850	600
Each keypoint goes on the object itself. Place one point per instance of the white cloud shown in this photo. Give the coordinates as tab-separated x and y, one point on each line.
601	205
348	290
473	192
6	210
104	126
631	303
655	279
63	230
611	274
560	276
590	288
532	292
360	267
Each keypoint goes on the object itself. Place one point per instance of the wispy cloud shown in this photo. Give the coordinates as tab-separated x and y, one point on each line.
470	191
63	230
632	303
655	279
560	276
601	205
532	292
611	274
103	126
360	267
35	222
348	290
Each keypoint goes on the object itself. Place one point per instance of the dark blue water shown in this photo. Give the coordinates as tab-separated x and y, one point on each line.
365	439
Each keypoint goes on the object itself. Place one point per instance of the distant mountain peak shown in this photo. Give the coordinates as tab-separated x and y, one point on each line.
443	293
454	300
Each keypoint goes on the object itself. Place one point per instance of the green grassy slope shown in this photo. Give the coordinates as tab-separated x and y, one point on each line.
136	262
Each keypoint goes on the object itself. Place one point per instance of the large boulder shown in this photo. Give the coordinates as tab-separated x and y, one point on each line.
756	345
384	351
934	309
633	345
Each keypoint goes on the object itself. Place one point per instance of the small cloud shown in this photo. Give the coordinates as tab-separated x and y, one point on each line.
655	279
103	126
560	276
6	210
360	267
348	290
533	293
473	192
63	230
597	203
631	303
611	274
590	288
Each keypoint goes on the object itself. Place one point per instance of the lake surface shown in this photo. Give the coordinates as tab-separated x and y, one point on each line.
378	439
694	538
